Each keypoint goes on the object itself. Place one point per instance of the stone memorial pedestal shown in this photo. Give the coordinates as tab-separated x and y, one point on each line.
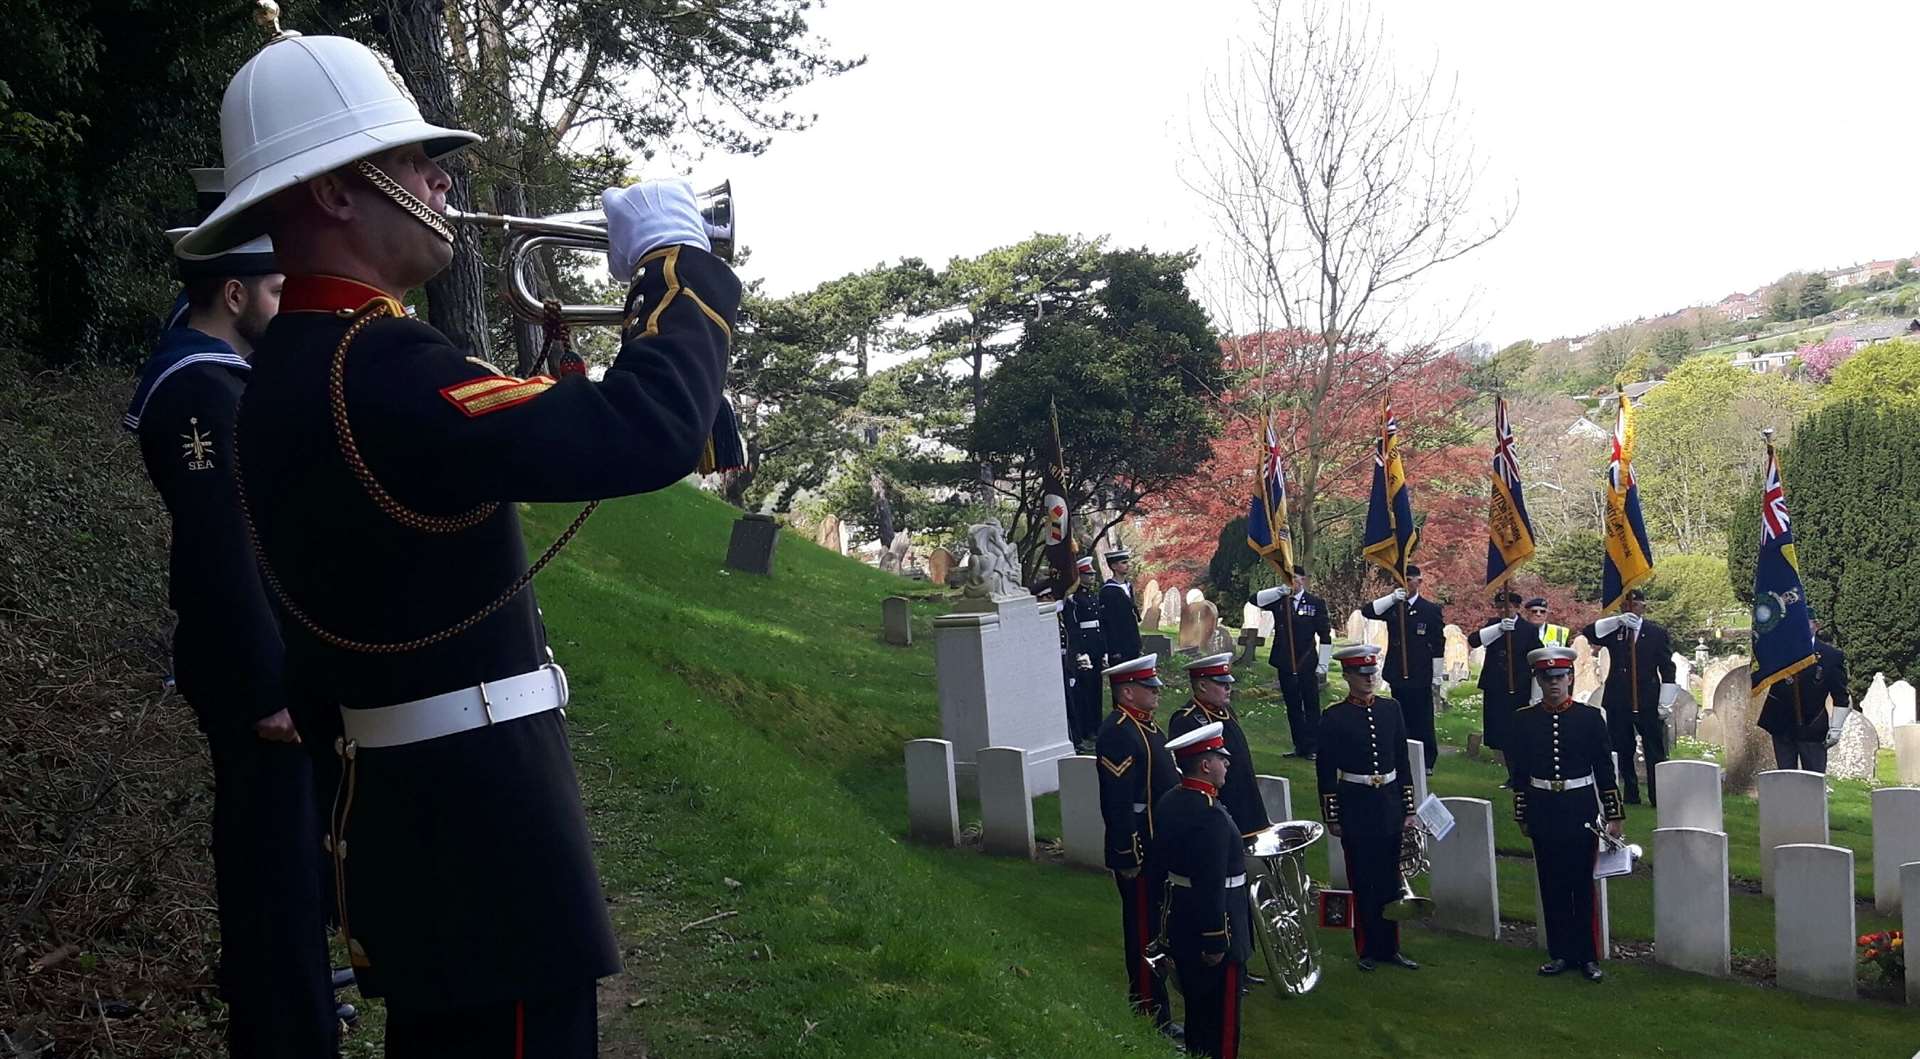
1793	810
896	619
1813	925
1906	753
933	812
1083	831
750	550
1006	810
1692	924
1896	841
1466	888
1910	922
1276	794
1692	790
998	674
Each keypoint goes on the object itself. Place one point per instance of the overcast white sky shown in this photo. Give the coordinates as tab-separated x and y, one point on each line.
1664	154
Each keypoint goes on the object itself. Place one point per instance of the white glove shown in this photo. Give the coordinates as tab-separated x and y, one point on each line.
1266	596
1605	626
1321	669
1439	672
1837	727
1495	631
1631	621
1669	693
1381	605
644	217
1399	595
1507	624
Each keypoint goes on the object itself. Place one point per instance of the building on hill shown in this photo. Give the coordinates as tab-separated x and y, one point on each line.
1763	363
1738	306
1851	276
1868	332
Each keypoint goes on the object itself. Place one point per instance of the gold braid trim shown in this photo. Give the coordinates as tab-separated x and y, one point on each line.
404	199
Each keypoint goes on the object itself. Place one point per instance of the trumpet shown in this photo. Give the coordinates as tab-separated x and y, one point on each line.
582	230
1615	845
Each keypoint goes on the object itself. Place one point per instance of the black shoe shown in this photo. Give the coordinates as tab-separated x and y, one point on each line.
342	978
1592	972
1553	967
1399	959
347	1014
1365	963
1174	1031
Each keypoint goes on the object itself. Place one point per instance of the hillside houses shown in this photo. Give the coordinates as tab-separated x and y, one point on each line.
1857	275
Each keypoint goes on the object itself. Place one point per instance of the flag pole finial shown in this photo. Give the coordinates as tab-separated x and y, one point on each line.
1767	434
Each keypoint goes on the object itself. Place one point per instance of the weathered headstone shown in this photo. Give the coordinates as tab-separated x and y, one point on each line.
1692	924
1197	623
1264	621
1586	677
1466	888
933	811
750	549
1170	609
1813	919
1712	730
1749	747
1150	600
1006	811
1904	703
1377	634
1475	743
1910	920
1857	755
831	536
1417	755
1715	673
1249	644
1157	643
997	675
1194	595
1082	830
1336	863
1689	795
1221	641
940	566
1276	794
896	618
1682	671
1793	811
1356	628
1906	753
1686	716
1877	707
1896	841
1459	657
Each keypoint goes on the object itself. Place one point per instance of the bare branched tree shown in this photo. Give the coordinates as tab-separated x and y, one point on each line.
1336	184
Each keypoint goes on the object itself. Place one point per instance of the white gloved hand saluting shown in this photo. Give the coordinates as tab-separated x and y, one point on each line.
644	217
1267	596
1631	621
1495	631
1604	627
1399	595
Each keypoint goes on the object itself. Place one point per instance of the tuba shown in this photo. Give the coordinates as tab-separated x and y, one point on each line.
1283	905
584	230
1414	862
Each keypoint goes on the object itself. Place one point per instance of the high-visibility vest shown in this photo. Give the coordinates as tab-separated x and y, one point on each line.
1555	635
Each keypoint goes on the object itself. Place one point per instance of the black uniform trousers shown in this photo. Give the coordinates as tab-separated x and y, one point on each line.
268	870
1569	894
1212	1005
1415	696
557	1025
1087	705
1808	754
1622	725
1373	870
1496	715
1302	692
1140	899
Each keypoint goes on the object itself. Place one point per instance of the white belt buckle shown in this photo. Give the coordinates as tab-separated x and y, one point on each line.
486	704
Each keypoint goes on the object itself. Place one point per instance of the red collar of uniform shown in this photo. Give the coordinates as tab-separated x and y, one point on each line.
1551	708
1143	716
1368	701
1195	783
331	294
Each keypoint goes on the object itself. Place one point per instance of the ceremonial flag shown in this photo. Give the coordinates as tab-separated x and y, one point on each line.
1629	558
1267	532
1782	629
1509	530
1060	548
1391	537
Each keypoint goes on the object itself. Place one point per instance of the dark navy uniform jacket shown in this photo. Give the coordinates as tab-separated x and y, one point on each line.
227	654
1797	707
1135	770
1562	745
1195	839
1082	607
1505	670
1305	615
1416	635
468	870
1365	740
1636	665
1119	623
1241	791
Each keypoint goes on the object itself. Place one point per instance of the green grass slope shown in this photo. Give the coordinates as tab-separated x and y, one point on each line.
739	739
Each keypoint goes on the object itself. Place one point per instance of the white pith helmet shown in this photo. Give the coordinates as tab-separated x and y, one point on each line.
253	257
302	107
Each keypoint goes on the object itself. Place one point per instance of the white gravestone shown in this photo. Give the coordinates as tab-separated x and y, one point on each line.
1896	841
1906	753
998	675
1170	609
1857	755
1904	706
1587	677
1336	863
1682	670
1910	921
1006	810
896	618
1693	795
1417	756
1877	707
933	813
1466	888
1813	920
1194	595
1793	811
1276	794
1459	657
1692	924
1356	628
1601	911
1082	829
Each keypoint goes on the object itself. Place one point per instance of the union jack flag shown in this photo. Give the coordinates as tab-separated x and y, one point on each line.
1782	627
1509	530
1505	461
1267	532
1773	504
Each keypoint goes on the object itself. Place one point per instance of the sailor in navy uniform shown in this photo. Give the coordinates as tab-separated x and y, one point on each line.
1086	654
1208	919
380	467
1135	770
1366	798
1560	765
1119	616
1416	657
228	658
1796	711
1640	688
1300	625
1506	637
1212	704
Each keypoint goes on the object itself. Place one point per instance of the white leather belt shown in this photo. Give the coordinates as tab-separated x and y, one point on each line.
1370	779
1232	880
1089	625
1562	785
489	703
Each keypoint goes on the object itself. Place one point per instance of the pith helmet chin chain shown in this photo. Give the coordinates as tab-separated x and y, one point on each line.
405	199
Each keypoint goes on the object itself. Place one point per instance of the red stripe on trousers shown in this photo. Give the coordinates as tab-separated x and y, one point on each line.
1353	912
1230	1026
520	1030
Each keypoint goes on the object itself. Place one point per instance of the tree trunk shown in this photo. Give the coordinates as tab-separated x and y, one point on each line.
510	196
416	37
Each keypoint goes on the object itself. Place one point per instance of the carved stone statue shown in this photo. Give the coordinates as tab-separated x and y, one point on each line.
994	569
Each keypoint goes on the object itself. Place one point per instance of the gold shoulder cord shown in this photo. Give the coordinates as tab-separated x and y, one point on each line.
394	510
